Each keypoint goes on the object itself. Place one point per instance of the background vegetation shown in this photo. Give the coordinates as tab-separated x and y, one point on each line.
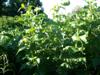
32	44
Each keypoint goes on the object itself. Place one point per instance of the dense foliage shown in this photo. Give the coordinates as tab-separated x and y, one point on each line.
17	7
32	44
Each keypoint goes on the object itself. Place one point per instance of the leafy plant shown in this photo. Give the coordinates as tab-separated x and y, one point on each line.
32	44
